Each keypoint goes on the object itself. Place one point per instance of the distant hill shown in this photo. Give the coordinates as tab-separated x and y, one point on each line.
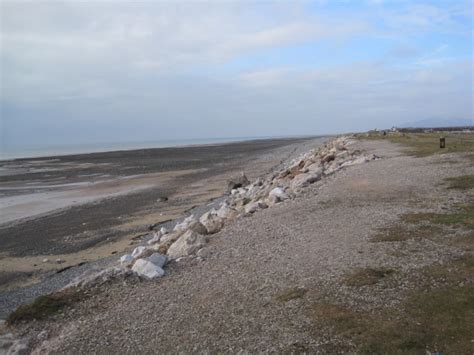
429	123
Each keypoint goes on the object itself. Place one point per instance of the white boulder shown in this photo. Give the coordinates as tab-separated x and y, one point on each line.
303	180
357	161
158	259
147	269
155	239
252	207
138	251
126	259
180	227
187	244
211	221
277	195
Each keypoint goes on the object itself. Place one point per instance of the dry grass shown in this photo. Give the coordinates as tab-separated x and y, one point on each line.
44	306
425	144
429	320
463	216
367	276
290	294
464	182
400	233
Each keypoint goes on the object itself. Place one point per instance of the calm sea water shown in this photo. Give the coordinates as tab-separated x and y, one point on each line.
30	152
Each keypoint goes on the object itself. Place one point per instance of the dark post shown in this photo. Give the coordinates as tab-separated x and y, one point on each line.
442	142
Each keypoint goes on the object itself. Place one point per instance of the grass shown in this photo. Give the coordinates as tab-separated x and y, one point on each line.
290	294
464	182
367	276
427	321
45	306
426	144
462	216
400	233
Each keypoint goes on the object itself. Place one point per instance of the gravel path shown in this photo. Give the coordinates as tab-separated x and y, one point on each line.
226	302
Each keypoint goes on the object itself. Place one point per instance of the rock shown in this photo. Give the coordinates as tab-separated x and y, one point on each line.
236	182
171	237
187	244
163	231
199	228
45	260
277	195
138	251
155	239
211	222
59	261
126	259
184	225
252	207
343	155
147	269
327	158
225	212
304	180
258	182
359	160
11	346
95	277
157	259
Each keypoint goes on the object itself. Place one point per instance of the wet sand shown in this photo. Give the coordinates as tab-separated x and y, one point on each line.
81	208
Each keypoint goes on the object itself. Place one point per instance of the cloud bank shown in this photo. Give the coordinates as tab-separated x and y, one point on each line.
88	72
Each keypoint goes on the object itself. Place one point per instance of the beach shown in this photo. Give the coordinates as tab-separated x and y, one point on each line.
343	245
62	211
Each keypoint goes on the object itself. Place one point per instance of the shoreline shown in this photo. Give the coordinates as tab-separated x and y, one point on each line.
101	229
209	142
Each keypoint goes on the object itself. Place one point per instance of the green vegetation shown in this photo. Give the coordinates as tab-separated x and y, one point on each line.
425	144
428	320
290	294
463	216
400	233
367	276
44	306
464	182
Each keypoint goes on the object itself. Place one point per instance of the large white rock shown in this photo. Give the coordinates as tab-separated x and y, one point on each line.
155	239
180	227
147	269
95	277
189	243
303	180
138	251
359	160
126	259
252	207
211	221
158	259
225	211
277	195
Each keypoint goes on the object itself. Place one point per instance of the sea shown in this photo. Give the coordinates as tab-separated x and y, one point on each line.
10	153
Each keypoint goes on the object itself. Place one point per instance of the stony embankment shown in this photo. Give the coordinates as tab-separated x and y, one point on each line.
189	237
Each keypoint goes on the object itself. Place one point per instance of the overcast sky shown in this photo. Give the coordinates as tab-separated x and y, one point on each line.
76	72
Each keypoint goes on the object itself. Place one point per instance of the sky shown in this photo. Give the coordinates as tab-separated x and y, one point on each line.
87	72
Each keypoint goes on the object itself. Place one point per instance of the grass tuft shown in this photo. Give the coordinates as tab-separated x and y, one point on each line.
44	306
400	233
433	321
463	216
290	294
464	182
367	276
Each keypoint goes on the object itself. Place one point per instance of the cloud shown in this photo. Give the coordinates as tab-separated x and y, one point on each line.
157	70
